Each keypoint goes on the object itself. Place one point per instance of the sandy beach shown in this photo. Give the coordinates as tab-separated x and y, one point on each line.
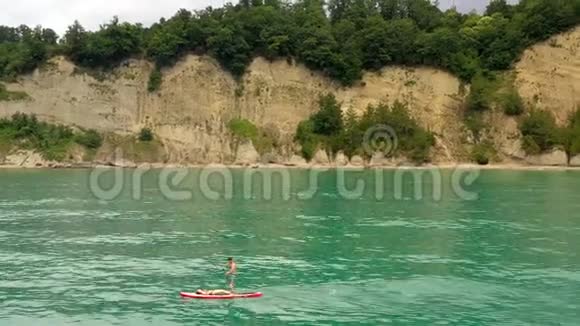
445	166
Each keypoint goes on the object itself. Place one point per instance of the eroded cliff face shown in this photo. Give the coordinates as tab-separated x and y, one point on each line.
189	114
61	93
548	74
198	98
548	78
435	98
282	94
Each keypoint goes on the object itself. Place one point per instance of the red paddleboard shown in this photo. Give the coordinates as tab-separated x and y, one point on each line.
222	297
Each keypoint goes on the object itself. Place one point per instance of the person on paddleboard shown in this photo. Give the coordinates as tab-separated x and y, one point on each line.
231	273
213	292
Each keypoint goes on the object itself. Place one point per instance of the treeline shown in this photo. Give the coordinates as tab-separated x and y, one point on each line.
331	130
340	37
23	49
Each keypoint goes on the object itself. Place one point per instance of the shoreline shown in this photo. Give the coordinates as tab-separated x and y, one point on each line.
159	166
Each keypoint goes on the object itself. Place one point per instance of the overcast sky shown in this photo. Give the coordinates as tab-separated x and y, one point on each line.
58	14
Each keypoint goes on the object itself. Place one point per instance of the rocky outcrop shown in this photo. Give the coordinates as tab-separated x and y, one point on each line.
357	161
575	161
25	159
297	161
123	163
512	149
554	158
379	159
247	154
341	159
32	159
272	158
320	158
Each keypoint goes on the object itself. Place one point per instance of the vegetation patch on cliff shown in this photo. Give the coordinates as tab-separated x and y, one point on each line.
146	135
323	128
512	102
334	131
490	92
155	80
52	141
483	153
131	148
541	133
571	134
263	139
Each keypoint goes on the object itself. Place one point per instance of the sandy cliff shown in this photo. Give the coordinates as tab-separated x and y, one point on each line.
548	78
190	112
548	74
198	98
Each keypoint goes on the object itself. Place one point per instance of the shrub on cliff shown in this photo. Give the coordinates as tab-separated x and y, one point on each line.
307	139
539	131
145	135
324	128
155	80
352	136
328	128
90	139
23	130
480	96
569	136
574	133
483	153
412	140
512	103
263	139
530	146
243	129
328	120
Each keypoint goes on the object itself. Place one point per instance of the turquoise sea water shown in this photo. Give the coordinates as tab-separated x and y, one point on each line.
509	257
